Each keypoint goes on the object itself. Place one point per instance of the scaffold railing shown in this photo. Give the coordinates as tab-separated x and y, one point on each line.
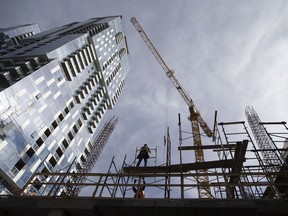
237	171
100	184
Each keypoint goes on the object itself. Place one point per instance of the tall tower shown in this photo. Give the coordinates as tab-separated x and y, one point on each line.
263	141
55	87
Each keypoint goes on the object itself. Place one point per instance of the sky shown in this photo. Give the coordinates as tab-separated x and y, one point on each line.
227	54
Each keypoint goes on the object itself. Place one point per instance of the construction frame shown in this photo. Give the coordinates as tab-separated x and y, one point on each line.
242	168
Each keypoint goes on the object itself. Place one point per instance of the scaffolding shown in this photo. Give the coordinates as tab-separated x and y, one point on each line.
237	169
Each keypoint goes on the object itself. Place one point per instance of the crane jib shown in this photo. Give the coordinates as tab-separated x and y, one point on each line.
195	118
170	75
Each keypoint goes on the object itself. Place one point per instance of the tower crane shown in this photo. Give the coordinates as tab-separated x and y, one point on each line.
194	117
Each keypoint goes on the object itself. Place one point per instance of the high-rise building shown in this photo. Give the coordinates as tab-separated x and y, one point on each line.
10	37
55	87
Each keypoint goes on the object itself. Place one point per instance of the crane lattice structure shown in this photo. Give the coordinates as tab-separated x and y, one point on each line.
96	149
265	143
194	117
98	145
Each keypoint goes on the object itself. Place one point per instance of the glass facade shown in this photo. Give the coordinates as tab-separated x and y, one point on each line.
55	87
10	37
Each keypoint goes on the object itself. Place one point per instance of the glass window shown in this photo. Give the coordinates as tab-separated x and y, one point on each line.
66	110
59	152
61	117
47	132
20	164
30	152
39	141
71	105
79	122
75	128
52	161
70	135
65	143
54	124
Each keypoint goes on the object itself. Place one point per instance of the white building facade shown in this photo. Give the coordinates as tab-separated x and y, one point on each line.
55	88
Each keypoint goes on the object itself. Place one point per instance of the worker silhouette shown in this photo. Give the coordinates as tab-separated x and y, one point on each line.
143	154
139	191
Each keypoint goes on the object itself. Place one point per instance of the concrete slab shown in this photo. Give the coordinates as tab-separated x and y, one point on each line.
51	206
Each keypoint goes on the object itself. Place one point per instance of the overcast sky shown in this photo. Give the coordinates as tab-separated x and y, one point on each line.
228	54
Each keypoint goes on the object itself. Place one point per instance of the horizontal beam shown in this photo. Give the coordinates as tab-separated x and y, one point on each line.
231	146
266	123
229	123
176	168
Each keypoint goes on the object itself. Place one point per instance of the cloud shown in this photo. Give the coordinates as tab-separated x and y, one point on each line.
226	54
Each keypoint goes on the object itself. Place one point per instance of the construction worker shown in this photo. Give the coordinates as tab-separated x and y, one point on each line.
143	154
139	193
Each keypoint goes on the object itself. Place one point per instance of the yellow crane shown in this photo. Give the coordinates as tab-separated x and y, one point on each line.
194	117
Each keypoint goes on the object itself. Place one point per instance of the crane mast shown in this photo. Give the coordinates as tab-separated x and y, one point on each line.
195	117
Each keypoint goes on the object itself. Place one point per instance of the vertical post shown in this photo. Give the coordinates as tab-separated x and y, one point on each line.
97	186
122	190
105	180
168	164
180	144
214	127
